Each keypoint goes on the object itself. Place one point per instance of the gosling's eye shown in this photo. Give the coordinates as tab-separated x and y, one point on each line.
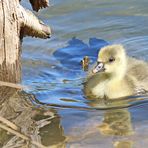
111	59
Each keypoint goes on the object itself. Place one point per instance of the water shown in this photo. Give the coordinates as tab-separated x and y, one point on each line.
52	71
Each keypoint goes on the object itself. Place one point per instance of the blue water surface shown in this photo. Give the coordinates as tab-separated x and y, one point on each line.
53	73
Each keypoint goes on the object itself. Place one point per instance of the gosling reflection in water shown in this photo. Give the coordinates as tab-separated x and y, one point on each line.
117	123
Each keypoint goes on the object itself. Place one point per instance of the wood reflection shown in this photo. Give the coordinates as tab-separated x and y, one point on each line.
25	123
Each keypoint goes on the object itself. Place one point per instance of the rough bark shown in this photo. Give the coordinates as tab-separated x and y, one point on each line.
15	23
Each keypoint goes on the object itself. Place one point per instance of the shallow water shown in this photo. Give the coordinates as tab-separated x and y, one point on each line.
52	71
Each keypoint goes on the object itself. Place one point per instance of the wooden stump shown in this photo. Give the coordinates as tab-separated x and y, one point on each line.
16	22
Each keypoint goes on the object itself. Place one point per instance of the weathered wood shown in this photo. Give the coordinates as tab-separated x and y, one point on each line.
1	36
10	43
15	23
31	26
15	20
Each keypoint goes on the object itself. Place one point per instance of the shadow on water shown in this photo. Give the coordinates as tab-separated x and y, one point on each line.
71	55
62	83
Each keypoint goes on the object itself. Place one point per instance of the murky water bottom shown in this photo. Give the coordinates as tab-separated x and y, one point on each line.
52	71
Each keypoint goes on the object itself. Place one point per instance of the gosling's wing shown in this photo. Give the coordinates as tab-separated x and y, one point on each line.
139	71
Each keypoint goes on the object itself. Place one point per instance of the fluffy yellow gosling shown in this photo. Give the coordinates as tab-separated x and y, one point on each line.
116	75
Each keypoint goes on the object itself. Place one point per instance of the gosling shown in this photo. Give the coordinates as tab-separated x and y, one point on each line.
116	75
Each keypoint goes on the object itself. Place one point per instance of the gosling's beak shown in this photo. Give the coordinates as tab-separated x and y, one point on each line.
98	68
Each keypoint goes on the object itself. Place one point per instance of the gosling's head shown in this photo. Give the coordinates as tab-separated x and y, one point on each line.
112	61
